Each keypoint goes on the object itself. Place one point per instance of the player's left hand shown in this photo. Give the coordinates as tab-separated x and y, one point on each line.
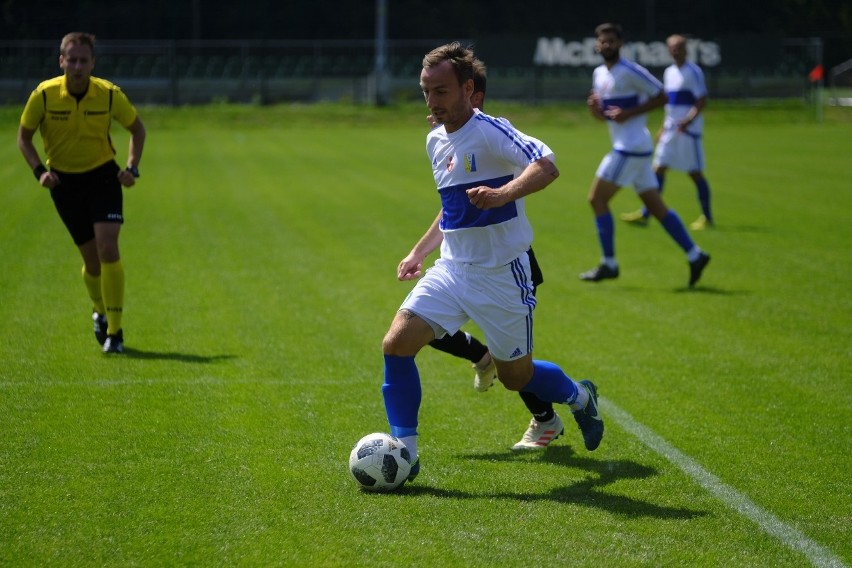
616	114
126	179
485	197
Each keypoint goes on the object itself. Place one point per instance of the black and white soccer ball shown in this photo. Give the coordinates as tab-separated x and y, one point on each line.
380	462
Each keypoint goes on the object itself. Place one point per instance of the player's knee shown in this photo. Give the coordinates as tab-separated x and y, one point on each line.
391	344
513	380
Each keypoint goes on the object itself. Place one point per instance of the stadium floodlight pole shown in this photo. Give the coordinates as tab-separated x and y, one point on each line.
380	73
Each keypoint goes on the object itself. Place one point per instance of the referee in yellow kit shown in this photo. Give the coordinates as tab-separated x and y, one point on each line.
74	113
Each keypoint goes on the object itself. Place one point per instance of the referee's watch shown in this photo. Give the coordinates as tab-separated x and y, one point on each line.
134	171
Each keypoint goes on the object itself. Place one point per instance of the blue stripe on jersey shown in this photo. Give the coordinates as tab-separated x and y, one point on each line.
628	101
681	98
633	154
641	72
460	213
531	151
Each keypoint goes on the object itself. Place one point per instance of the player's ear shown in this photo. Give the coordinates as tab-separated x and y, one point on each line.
468	87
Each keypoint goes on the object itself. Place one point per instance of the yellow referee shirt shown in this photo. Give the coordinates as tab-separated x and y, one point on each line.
76	133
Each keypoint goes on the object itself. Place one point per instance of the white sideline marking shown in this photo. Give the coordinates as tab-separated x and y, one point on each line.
818	554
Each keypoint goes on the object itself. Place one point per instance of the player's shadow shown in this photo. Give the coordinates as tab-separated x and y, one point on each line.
711	291
586	492
133	353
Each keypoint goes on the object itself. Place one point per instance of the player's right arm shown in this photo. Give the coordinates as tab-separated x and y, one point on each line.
411	267
25	145
595	106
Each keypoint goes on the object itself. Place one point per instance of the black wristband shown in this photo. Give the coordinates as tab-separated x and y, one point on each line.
134	171
38	171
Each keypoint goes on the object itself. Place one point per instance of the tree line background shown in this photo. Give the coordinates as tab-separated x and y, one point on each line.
830	20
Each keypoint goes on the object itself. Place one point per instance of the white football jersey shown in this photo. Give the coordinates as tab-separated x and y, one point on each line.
684	85
485	151
627	85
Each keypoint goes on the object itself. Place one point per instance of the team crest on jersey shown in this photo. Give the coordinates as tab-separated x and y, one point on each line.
470	163
450	164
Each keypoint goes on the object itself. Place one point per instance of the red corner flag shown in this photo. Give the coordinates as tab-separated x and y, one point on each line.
816	74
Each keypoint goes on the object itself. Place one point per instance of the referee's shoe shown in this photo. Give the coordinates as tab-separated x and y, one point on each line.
114	343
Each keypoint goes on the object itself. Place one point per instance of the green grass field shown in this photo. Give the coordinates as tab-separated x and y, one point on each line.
260	249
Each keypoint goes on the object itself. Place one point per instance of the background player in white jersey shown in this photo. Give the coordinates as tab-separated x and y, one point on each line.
623	92
545	425
483	272
679	141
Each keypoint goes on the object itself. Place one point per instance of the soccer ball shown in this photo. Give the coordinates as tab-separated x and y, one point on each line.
380	462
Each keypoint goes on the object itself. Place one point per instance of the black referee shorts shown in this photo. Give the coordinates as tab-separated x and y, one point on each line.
83	199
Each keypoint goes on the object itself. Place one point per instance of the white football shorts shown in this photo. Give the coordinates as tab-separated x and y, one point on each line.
499	300
680	151
625	168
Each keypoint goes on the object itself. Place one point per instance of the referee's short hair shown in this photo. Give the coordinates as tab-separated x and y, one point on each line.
77	38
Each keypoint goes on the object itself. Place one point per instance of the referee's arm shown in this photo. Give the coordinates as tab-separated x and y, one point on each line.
25	144
134	152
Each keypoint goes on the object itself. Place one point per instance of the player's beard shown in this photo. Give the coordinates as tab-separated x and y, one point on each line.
610	55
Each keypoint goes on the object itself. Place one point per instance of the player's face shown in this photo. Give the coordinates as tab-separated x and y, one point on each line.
448	101
608	45
77	62
677	49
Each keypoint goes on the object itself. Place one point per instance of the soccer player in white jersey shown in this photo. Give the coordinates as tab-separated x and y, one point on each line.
483	273
545	425
679	141
623	92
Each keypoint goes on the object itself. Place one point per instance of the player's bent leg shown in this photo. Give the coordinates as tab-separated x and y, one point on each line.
485	373
516	374
549	382
407	335
702	187
539	435
601	194
599	197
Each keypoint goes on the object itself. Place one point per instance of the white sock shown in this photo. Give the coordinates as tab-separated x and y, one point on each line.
411	443
610	262
582	398
693	253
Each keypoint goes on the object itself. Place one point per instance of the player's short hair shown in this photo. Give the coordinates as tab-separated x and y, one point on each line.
609	28
460	57
675	38
77	38
480	76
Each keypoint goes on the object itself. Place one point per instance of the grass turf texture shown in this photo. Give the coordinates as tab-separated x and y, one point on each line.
260	250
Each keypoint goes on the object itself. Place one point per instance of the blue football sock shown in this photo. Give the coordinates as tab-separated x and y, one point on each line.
704	198
551	384
674	226
402	394
606	233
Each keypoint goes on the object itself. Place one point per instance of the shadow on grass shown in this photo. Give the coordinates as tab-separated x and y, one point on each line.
132	353
711	290
697	289
586	492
